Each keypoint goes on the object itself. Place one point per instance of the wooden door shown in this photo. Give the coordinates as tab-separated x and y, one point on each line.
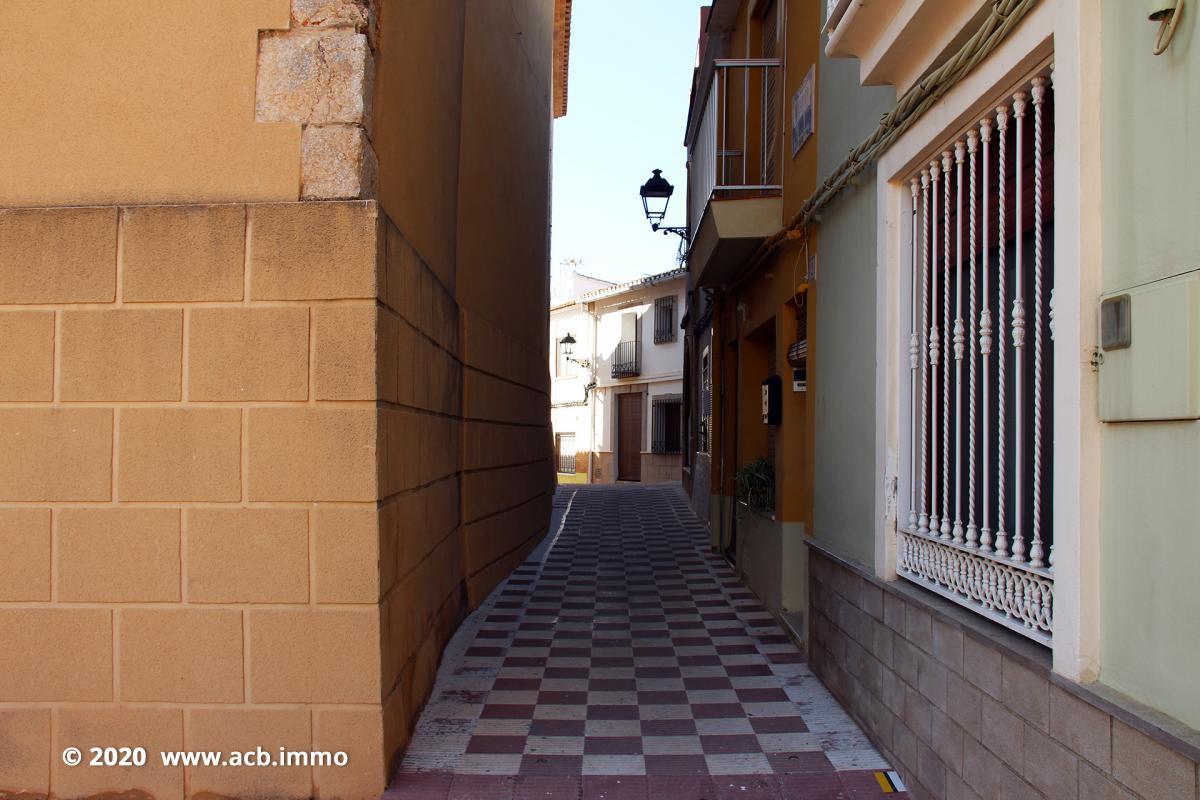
629	437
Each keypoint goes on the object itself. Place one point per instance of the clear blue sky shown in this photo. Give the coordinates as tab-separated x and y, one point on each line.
627	102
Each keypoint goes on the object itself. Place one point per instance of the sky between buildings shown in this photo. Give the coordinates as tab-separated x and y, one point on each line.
630	78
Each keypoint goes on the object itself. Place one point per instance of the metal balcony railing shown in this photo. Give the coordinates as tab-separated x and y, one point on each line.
736	147
627	360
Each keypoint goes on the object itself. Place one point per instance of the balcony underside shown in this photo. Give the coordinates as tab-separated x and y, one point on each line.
729	233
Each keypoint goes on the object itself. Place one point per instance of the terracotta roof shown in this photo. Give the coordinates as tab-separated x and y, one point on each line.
628	286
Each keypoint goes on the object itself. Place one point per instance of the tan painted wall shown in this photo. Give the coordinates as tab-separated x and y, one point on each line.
277	450
188	498
116	104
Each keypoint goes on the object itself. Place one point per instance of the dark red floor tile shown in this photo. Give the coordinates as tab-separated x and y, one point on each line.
695	684
570	652
778	724
506	711
692	641
680	787
506	745
747	787
676	765
420	786
657	672
612	745
547	787
736	649
524	661
557	727
668	727
616	787
531	641
566	672
699	661
552	765
572	635
748	670
517	684
562	698
725	633
612	685
814	786
490	633
762	695
718	711
612	661
481	787
612	712
654	652
485	652
662	698
730	743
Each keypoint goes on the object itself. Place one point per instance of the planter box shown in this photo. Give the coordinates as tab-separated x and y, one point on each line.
760	556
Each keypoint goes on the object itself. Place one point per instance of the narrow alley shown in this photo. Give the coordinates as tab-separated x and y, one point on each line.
625	660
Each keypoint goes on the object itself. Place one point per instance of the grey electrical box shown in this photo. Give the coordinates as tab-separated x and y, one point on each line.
1150	351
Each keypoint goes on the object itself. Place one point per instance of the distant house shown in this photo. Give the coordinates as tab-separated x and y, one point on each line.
617	381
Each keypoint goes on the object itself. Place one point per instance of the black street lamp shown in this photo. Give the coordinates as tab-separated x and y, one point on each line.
656	194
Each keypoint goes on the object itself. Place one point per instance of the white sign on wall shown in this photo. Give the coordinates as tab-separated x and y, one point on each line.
802	111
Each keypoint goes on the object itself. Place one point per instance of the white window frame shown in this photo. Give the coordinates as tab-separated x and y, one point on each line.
1063	30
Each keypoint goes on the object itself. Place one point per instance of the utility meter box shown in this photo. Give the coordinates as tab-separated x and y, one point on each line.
772	400
1150	348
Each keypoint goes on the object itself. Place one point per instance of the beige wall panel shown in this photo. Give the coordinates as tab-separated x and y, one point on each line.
418	84
505	155
144	107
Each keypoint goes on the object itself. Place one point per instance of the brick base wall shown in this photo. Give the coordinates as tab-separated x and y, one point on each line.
968	711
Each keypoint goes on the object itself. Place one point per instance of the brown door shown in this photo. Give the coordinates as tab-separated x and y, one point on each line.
629	437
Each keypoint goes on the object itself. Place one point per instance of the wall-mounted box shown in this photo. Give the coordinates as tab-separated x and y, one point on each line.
1150	366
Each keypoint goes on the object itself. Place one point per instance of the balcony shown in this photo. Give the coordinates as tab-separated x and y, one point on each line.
896	41
627	360
736	149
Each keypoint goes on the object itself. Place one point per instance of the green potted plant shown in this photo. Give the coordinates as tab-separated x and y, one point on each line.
756	486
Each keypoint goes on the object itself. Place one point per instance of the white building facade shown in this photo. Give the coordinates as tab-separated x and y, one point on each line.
617	400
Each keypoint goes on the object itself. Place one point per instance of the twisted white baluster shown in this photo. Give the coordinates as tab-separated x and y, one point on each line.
935	353
1018	324
914	349
1050	560
960	340
947	160
972	528
1036	552
985	344
923	519
1002	310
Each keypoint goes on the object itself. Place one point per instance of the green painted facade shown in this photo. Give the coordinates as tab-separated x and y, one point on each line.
842	377
1150	471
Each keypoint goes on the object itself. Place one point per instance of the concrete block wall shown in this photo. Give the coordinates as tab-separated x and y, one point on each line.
237	462
966	711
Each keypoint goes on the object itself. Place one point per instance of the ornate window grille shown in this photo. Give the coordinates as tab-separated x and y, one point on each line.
667	424
977	528
664	319
565	446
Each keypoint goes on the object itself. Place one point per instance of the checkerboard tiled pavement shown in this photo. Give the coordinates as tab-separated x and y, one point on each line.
630	663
